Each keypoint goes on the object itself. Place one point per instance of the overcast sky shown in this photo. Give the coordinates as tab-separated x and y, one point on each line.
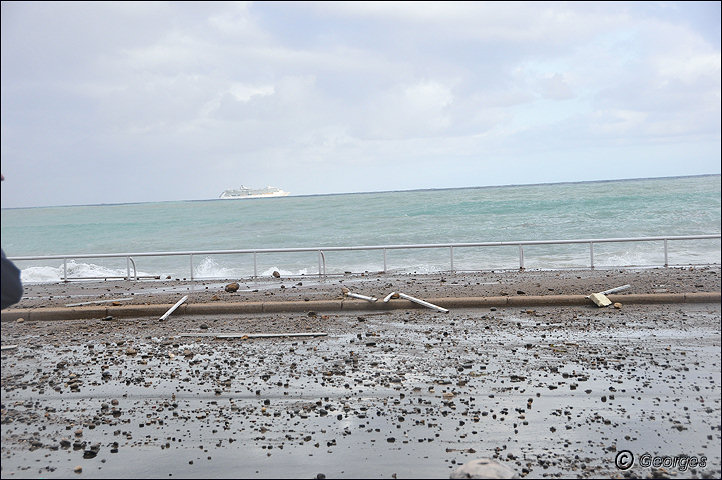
132	102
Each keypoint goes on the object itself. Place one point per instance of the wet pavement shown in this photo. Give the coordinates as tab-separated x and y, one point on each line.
551	392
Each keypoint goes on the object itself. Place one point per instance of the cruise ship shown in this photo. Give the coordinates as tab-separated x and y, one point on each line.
246	192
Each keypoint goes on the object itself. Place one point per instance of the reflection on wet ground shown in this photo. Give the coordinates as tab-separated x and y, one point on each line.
552	392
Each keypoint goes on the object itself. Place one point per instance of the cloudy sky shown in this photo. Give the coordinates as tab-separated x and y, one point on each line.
132	102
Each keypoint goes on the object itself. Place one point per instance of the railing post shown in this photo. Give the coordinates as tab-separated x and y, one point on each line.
451	254
591	255
666	262
127	268
191	259
384	260
255	266
521	257
65	269
135	269
319	262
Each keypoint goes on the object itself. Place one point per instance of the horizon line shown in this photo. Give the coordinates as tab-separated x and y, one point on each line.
571	182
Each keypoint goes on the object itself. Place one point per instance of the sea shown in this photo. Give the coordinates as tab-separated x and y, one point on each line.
674	206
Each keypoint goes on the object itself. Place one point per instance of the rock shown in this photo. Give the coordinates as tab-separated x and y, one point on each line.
483	468
276	274
617	305
600	299
232	287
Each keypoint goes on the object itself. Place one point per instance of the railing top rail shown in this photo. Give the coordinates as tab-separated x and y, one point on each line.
368	247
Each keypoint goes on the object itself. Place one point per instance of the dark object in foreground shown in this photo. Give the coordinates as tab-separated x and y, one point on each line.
12	287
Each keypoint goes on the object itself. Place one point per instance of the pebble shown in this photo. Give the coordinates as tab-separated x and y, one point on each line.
389	392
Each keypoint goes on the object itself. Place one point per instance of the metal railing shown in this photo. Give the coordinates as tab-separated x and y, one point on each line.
129	257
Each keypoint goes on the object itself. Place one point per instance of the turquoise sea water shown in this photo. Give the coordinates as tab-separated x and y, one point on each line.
629	208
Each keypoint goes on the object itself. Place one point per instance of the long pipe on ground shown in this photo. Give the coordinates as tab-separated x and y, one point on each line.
172	309
415	300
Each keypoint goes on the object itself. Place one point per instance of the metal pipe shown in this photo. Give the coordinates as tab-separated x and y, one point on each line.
253	335
172	309
520	244
362	297
591	255
413	299
521	257
615	289
388	297
451	254
191	260
422	302
371	247
135	270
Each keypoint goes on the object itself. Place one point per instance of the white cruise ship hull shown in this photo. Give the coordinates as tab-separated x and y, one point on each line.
245	192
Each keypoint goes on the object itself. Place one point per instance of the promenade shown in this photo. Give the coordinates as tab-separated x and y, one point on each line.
359	389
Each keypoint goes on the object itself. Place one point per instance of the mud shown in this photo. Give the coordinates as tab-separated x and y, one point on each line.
551	392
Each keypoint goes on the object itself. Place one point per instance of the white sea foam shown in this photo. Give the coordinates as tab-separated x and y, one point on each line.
75	270
284	272
209	268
